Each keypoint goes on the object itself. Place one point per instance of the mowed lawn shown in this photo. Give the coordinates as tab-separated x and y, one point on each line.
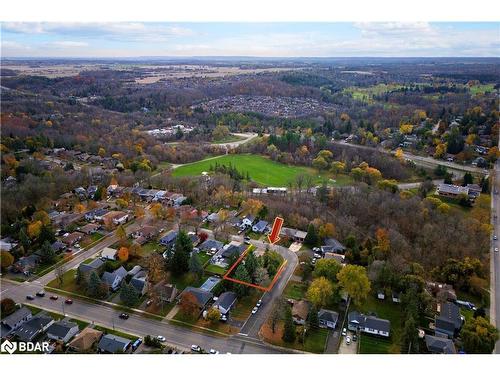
261	170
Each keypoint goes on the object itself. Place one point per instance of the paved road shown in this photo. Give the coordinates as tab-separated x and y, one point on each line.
252	326
106	316
413	185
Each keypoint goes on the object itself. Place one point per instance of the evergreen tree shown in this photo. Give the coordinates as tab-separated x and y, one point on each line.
24	239
251	265
289	329
410	336
180	260
312	317
94	288
195	266
47	254
242	275
129	295
312	238
468	179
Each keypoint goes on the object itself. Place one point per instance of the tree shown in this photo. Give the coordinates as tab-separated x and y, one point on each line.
251	206
242	275
320	163
47	253
312	236
312	317
289	333
123	254
276	313
354	280
337	167
251	265
326	230
327	268
188	304
478	336
122	203
59	271
95	287
195	266
213	314
157	210
409	339
156	267
129	295
121	233
34	229
320	292
399	154
220	132
8	306
271	261
261	275
179	263
6	260
468	179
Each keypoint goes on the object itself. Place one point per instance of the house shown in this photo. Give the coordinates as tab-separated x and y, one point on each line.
452	191
166	292
213	217
474	190
147	232
134	271
169	239
233	248
293	234
211	245
115	217
260	227
331	245
114	279
449	322
109	253
15	320
300	310
369	324
380	295
33	327
247	221
91	191
140	282
440	345
113	344
85	269
27	264
328	318
58	247
89	228
396	297
63	330
72	238
201	297
7	244
96	214
85	340
226	301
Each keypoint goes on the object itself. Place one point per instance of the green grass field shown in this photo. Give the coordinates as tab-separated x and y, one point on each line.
374	345
295	290
213	268
261	170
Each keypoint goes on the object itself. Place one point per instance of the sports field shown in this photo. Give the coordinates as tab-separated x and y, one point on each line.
261	170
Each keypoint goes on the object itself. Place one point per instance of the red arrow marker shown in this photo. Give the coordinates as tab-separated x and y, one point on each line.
275	233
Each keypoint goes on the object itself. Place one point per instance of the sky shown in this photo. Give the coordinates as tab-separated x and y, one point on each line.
341	39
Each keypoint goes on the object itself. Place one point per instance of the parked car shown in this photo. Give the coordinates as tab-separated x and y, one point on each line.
40	293
223	318
124	316
213	351
255	309
348	340
317	256
54	298
259	303
496	249
136	344
196	348
344	332
161	338
247	242
30	297
354	338
68	302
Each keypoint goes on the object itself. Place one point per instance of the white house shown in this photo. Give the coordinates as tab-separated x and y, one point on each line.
109	253
62	330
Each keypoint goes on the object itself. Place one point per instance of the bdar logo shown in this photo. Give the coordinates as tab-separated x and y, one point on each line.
9	347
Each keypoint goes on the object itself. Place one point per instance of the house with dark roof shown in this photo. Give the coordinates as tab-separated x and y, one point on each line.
169	239
440	345
33	327
26	264
331	245
63	330
260	226
114	279
449	322
58	246
85	269
202	297
96	214
113	344
166	292
368	324
89	228
211	245
140	282
328	318
234	248
226	301
72	238
15	320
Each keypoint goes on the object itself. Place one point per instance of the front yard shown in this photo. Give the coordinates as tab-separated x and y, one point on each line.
314	342
295	290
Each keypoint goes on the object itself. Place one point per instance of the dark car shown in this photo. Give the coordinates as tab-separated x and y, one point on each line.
54	298
124	316
30	297
68	302
40	293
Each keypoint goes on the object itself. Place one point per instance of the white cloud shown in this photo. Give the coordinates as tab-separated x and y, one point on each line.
68	44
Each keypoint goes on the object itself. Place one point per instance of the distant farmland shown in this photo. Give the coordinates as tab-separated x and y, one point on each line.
261	170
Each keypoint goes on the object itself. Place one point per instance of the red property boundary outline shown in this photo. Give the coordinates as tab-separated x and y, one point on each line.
278	273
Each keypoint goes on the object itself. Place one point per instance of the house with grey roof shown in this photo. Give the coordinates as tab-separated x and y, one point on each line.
201	296
226	301
211	245
63	330
449	322
113	344
440	345
114	279
368	324
166	292
169	239
140	282
247	221
33	327
331	245
15	320
260	226
328	318
234	249
85	269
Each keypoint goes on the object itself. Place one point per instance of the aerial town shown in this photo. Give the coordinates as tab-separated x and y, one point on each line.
218	206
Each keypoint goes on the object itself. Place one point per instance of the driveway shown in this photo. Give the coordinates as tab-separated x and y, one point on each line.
352	348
